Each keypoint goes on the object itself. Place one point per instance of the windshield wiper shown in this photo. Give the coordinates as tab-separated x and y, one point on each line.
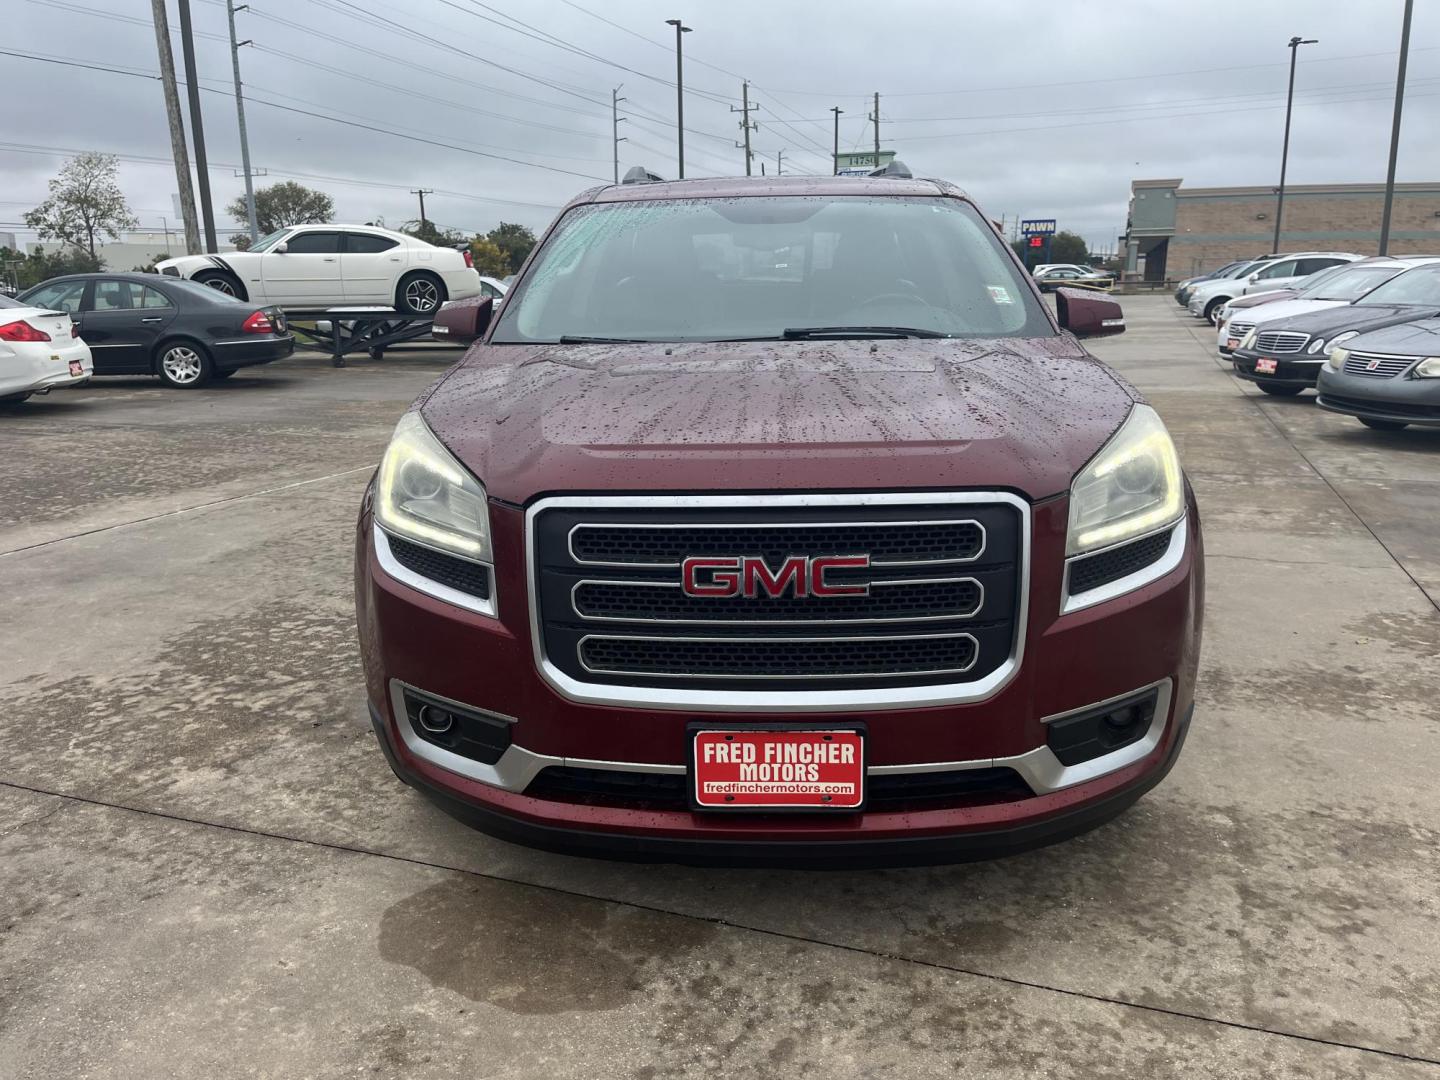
576	339
802	333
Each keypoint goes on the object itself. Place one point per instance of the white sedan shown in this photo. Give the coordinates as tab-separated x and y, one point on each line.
39	351
325	266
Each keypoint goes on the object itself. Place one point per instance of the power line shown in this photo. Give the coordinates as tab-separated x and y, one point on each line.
315	115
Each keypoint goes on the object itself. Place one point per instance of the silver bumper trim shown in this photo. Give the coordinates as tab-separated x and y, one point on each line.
403	574
1039	768
1130	582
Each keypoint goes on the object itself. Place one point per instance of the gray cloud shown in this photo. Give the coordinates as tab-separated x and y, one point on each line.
1106	93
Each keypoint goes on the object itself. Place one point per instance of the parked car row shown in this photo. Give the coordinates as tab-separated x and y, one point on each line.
1365	333
1204	297
68	329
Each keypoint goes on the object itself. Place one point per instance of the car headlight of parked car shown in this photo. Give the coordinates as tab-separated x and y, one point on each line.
1429	368
1133	486
423	494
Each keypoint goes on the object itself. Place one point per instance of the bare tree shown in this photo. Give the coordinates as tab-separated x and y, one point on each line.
85	202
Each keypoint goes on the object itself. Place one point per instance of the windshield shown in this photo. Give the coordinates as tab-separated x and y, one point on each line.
718	269
266	242
1346	282
1418	286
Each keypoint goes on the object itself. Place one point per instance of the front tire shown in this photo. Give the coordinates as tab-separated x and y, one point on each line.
1382	425
183	365
1212	309
1279	391
222	282
419	295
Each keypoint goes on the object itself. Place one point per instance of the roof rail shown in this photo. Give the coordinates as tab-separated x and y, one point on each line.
641	175
895	168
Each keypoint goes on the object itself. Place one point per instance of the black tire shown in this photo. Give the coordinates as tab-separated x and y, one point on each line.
1382	425
183	364
220	281
1212	309
10	401
1279	391
419	294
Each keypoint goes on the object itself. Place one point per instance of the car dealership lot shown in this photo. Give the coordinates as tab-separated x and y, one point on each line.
207	869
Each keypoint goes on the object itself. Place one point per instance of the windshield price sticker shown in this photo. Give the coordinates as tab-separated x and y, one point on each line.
779	769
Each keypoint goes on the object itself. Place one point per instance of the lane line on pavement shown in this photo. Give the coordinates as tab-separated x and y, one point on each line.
187	510
1257	402
1008	980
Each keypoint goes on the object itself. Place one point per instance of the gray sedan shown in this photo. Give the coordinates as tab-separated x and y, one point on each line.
1387	378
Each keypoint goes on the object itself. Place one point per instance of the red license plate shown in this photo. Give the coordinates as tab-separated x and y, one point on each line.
1232	343
76	368
1265	366
779	770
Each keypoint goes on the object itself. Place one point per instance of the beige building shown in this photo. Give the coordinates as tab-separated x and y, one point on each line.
1176	232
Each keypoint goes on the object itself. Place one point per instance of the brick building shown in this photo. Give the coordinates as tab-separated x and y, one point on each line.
1174	232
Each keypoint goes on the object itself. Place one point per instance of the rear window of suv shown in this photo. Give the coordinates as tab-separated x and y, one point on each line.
754	267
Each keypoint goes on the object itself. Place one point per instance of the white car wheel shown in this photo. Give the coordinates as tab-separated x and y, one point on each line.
183	365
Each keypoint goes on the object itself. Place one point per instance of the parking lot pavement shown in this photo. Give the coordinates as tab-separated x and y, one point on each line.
207	869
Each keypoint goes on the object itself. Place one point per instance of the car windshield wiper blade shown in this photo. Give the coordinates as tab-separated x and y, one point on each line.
580	339
800	333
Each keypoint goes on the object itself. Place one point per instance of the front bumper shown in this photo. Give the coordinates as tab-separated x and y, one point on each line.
1398	400
1148	637
1293	370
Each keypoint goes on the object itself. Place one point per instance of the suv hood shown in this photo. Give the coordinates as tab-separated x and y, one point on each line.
848	415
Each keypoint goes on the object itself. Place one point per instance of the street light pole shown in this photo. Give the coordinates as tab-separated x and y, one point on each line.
1295	43
835	154
679	92
230	10
615	137
1395	129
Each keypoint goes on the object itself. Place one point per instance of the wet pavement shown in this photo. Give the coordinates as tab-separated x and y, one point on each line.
206	868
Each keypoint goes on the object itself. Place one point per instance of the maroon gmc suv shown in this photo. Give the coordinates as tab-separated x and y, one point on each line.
778	521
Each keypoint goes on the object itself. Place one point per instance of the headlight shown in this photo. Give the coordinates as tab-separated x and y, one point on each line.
1318	345
1340	339
1336	361
1429	368
1131	487
423	494
1249	342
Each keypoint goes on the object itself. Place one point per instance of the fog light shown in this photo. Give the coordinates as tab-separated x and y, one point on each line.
435	720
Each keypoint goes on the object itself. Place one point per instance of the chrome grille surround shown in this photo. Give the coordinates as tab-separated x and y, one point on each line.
1386	365
1281	341
840	511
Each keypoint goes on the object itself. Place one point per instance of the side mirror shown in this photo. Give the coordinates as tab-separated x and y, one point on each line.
281	248
1085	314
1253	277
463	321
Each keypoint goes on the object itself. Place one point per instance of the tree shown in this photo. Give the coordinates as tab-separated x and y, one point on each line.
432	234
489	260
282	204
515	241
27	270
85	202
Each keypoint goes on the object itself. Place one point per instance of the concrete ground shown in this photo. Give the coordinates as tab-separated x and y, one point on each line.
206	868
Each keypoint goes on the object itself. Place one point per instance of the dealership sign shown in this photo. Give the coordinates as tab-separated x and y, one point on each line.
862	164
1037	227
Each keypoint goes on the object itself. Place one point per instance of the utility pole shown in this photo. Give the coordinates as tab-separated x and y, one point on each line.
1395	128
615	137
178	148
835	154
422	192
779	162
876	118
230	10
746	124
1295	43
679	92
197	126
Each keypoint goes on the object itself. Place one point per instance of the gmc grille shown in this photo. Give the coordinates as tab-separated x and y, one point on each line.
944	591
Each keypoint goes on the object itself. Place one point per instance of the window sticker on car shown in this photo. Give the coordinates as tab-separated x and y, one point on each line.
999	295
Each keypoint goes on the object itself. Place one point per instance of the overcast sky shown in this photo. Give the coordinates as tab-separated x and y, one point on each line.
1038	109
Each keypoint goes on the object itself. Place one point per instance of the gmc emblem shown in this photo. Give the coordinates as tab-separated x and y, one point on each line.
750	576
